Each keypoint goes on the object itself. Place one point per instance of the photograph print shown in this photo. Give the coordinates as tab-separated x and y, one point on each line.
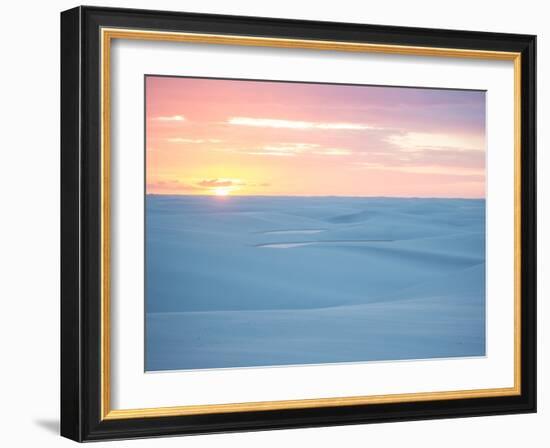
299	223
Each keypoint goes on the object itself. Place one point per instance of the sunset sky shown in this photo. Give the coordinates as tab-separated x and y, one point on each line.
230	137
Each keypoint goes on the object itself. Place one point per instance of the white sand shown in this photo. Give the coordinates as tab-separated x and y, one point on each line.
358	280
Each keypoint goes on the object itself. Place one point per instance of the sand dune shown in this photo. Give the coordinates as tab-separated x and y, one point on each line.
319	242
293	232
359	279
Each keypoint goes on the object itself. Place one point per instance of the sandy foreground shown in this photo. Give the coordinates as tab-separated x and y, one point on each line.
262	281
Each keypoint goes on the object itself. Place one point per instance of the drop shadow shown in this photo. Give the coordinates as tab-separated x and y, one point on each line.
49	425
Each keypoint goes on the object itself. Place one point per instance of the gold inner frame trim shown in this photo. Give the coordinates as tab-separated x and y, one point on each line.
107	35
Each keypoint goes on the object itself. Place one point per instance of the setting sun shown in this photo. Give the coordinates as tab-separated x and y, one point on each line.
221	191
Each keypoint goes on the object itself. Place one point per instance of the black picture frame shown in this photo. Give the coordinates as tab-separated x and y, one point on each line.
81	224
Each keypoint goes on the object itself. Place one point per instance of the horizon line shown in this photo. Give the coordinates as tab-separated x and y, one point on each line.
313	196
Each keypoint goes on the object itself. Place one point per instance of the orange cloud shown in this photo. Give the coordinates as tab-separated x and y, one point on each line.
215	183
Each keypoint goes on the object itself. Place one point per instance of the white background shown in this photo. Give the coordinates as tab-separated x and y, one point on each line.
29	235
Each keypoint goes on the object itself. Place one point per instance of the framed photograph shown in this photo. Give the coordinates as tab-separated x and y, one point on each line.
274	223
